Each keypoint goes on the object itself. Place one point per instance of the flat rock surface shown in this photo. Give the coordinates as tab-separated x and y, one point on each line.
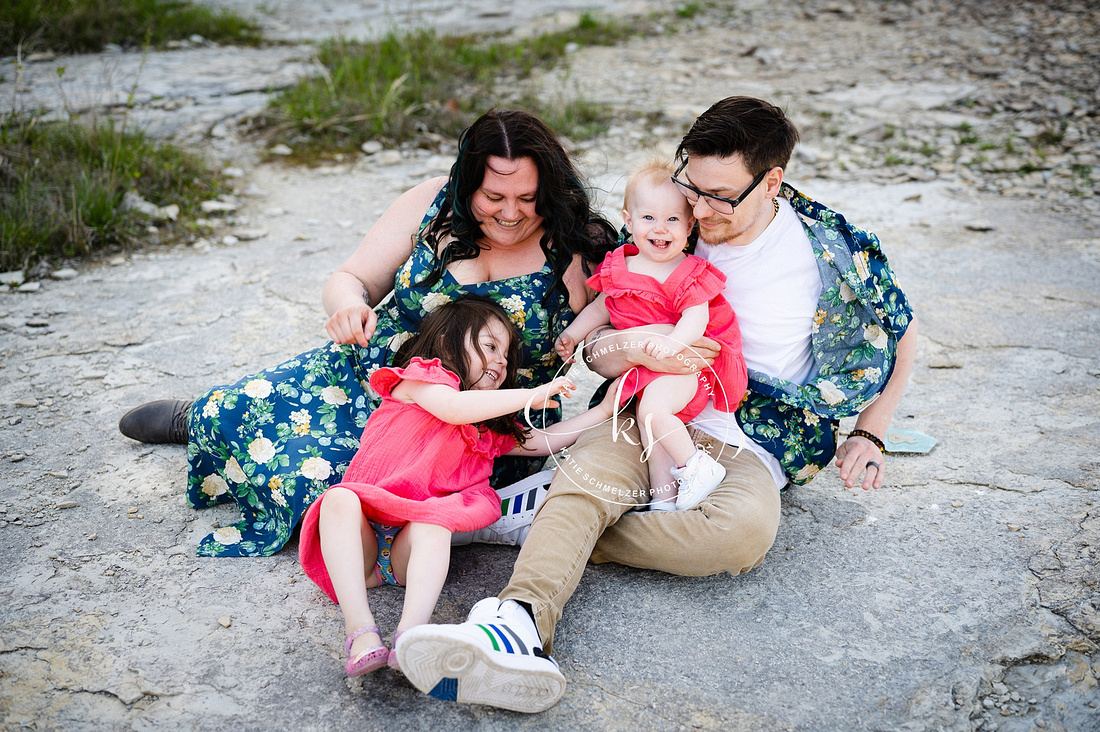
963	595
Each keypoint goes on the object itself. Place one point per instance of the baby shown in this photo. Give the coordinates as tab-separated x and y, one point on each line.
653	281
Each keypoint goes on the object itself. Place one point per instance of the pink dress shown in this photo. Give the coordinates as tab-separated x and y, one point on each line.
636	300
414	467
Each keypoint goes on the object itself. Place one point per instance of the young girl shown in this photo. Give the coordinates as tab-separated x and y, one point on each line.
653	281
422	469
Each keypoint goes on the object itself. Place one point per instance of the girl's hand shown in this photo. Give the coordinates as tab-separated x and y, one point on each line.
353	324
859	455
660	346
542	396
564	346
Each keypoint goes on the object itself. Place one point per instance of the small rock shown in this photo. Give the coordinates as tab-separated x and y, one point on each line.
281	149
957	504
197	39
12	278
388	157
27	402
217	206
93	537
68	504
225	621
371	147
117	261
40	57
229	240
250	234
38	323
979	226
29	287
17	458
65	274
1014	527
233	172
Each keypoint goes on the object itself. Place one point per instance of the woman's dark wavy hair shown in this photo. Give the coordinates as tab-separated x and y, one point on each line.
756	130
444	333
569	225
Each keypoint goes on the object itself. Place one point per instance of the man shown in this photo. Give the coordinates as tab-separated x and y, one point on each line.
826	333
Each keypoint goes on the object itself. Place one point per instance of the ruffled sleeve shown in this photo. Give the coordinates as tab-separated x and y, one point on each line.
600	280
385	379
701	284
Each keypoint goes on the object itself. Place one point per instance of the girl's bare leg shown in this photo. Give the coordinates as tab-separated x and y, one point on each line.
421	557
662	399
662	487
350	551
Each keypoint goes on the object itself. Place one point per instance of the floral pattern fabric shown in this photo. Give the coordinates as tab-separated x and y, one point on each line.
274	441
861	316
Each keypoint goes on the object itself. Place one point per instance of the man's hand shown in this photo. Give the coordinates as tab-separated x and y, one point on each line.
858	455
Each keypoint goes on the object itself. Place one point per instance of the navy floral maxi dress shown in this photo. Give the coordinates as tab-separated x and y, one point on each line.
276	440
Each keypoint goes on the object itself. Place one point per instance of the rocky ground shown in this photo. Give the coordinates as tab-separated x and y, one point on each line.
963	595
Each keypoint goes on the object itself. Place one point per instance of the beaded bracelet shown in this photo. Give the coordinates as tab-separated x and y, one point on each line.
868	436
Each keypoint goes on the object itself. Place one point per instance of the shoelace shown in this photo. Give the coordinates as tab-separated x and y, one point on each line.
178	431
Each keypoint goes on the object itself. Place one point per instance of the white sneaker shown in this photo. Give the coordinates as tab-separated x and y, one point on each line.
697	479
494	658
518	503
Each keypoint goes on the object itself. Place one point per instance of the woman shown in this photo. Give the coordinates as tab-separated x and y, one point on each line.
511	222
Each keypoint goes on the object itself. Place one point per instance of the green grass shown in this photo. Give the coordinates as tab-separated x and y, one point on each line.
62	184
74	26
410	82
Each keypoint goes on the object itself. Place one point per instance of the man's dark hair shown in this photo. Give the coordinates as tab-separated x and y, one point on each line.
757	131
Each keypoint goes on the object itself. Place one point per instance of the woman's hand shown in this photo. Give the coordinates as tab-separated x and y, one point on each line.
543	396
353	324
858	455
610	402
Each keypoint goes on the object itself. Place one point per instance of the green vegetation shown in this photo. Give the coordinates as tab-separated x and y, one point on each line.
62	186
689	10
74	26
407	83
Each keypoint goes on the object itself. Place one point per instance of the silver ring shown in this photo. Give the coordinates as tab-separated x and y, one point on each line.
872	463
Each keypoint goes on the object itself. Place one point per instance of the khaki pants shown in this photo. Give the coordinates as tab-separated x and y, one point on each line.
585	517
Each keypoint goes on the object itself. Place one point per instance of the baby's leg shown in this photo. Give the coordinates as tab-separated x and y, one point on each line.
662	487
421	557
662	399
350	550
671	445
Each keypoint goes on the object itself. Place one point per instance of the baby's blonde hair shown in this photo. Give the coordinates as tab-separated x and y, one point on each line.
654	172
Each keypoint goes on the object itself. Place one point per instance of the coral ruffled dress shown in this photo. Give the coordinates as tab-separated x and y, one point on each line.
637	300
414	467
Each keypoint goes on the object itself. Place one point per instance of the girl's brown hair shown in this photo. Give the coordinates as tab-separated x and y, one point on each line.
444	334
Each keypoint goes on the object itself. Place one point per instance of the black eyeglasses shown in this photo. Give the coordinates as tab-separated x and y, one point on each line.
717	203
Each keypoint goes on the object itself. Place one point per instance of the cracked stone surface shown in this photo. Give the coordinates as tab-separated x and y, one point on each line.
963	595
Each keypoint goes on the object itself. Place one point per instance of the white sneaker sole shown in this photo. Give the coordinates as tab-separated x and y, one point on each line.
445	663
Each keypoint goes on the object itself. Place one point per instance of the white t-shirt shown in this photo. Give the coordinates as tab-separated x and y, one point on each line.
774	286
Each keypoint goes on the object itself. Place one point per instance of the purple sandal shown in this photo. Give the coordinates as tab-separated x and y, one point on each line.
372	659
